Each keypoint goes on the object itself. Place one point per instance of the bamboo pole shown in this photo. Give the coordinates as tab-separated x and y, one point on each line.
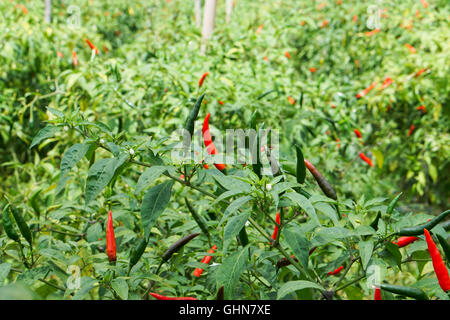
208	22
48	11
198	12
229	10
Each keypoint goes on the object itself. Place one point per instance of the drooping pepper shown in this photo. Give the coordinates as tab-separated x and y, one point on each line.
404	241
411	130
418	230
336	271
91	45
206	259
323	183
366	90
366	159
110	239
200	82
161	297
377	294
358	134
210	147
386	83
275	230
438	264
74	59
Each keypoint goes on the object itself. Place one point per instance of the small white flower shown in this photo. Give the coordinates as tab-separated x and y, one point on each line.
131	151
102	141
247	223
215	264
269	187
66	128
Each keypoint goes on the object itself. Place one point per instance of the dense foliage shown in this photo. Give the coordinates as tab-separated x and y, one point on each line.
78	140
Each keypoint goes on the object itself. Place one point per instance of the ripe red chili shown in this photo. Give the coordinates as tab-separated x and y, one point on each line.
410	48
210	147
312	69
161	297
366	90
358	134
411	129
74	59
377	294
324	23
259	28
91	45
291	100
59	54
370	33
424	3
110	239
287	54
336	271
422	108
418	73
200	82
438	264
404	241
220	102
386	83
366	159
275	230
355	17
206	259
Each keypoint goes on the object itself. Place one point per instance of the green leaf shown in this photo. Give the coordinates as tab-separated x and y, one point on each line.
231	269
4	271
233	227
292	286
232	183
234	206
299	245
43	134
303	203
70	158
148	177
154	203
100	174
120	286
365	251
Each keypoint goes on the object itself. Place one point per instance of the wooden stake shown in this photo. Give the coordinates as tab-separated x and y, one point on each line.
198	12
229	10
208	22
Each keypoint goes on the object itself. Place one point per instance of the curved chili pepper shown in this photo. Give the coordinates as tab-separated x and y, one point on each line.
410	48
200	82
323	183
110	239
419	72
161	297
386	83
91	45
210	147
377	294
422	108
206	259
275	230
291	100
358	134
313	69
404	241
411	130
366	90
366	159
287	54
177	246
418	230
336	271
74	59
438	264
424	3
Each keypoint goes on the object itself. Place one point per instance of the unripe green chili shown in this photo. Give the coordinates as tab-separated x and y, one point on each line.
243	238
374	223
8	225
418	230
393	203
23	227
193	115
445	246
301	168
200	221
137	254
177	246
405	291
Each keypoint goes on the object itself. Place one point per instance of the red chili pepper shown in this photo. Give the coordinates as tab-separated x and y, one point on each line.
221	102
206	259
205	165
355	17
333	106
358	134
291	100
336	271
366	159
424	3
161	297
259	28
59	54
438	264
287	54
377	294
366	90
410	48
313	69
200	82
92	46
265	58
210	147
411	129
420	72
371	33
423	108
338	140
324	23
275	230
110	239
386	83
24	9
404	241
74	59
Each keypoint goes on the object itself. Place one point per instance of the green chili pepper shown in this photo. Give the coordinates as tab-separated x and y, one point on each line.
301	168
445	246
23	227
405	291
193	115
177	246
8	225
137	254
393	203
374	223
200	221
418	230
243	238
256	167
